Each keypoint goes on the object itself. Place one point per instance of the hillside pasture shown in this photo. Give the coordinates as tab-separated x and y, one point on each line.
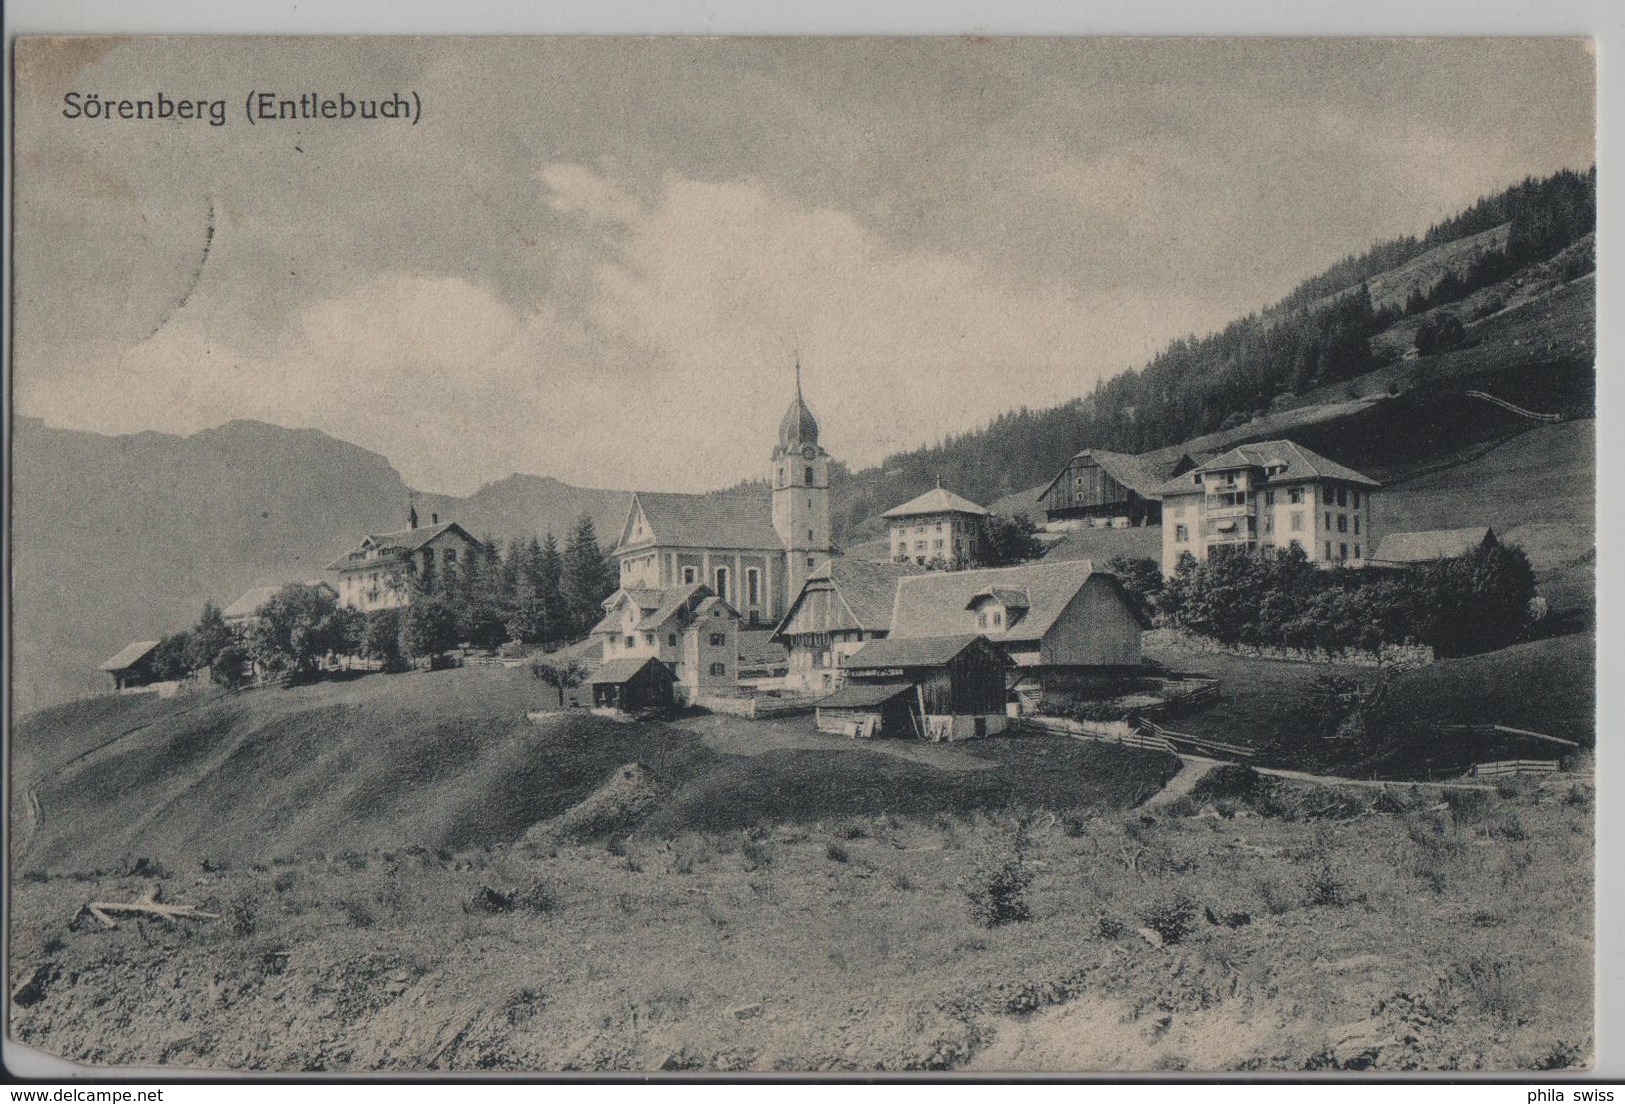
447	759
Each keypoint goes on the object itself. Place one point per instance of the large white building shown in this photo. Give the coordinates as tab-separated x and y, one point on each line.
1274	494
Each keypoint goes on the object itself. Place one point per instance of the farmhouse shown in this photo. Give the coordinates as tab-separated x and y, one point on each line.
845	603
687	628
1274	494
1100	488
938	526
753	549
936	688
379	574
241	614
132	667
1424	546
1065	627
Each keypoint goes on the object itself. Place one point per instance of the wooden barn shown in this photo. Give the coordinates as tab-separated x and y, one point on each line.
632	685
935	688
133	667
1102	487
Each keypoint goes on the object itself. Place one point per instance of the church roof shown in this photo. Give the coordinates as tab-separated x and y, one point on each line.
730	519
798	426
938	500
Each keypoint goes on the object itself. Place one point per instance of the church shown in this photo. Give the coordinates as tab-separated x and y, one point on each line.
753	548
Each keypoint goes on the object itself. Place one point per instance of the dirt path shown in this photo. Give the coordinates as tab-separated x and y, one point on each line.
1193	768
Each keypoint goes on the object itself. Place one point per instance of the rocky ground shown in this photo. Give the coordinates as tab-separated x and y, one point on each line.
1240	927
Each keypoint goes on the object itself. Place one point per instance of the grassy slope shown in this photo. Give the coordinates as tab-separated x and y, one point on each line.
1455	940
447	759
1547	686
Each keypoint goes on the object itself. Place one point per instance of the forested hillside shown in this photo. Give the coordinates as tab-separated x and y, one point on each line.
1323	333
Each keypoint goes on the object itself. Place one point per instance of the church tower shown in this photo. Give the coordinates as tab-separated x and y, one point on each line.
800	478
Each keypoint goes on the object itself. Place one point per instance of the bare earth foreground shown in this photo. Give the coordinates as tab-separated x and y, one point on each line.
749	898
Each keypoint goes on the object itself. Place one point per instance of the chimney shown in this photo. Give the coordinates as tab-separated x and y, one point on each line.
412	517
434	519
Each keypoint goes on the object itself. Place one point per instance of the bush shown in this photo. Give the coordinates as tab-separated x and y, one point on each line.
1173	918
1438	333
835	852
996	887
1325	888
231	666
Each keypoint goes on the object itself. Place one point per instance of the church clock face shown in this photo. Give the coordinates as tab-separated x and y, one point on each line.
809	453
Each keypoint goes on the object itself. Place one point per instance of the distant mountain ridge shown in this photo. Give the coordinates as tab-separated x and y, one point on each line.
123	538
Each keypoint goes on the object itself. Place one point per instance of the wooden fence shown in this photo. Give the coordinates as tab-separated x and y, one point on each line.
1198	744
1514	766
1206	693
1102	732
1514	408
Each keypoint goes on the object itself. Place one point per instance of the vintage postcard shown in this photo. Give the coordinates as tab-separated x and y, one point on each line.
803	555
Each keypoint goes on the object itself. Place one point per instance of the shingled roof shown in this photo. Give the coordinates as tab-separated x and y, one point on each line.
130	656
734	519
1293	464
938	500
402	542
1140	474
918	651
864	695
621	670
935	604
1432	544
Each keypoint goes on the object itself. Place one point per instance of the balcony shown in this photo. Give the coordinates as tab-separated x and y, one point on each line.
1217	512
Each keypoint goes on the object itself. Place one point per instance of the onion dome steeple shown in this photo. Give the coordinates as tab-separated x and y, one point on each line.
799	427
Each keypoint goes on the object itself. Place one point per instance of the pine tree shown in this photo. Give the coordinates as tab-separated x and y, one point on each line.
588	577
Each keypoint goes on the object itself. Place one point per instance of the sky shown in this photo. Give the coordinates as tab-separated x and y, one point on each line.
598	260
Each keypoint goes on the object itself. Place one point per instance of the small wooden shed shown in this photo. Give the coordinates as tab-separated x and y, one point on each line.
132	667
863	710
632	685
958	681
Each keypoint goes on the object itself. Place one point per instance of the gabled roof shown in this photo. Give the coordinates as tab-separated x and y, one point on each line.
401	542
732	519
1282	461
254	600
1140	474
657	607
647	600
918	651
1432	544
867	588
935	604
622	670
865	695
130	656
938	500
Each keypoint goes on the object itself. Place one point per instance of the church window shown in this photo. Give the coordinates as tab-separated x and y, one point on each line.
809	534
753	587
690	576
781	475
722	583
998	620
809	478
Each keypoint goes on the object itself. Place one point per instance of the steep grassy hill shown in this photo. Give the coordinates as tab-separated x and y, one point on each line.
447	760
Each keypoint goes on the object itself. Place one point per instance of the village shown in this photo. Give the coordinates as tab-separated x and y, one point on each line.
741	604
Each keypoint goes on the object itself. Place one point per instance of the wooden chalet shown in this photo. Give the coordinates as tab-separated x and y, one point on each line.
132	667
845	603
934	688
1101	487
